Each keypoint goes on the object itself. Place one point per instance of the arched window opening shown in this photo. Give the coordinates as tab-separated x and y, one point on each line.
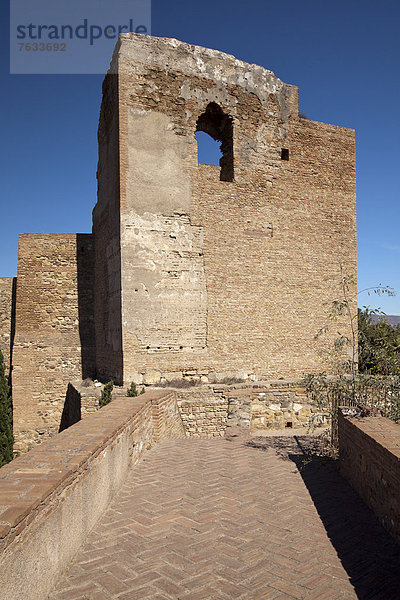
219	126
208	149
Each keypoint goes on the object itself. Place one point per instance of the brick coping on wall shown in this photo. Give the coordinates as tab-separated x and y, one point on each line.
52	496
27	481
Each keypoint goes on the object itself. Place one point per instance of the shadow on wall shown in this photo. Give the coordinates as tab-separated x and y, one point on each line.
368	553
12	330
85	270
85	274
107	239
72	408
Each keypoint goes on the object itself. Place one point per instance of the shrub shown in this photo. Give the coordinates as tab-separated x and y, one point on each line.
366	394
6	434
378	344
132	391
106	394
231	380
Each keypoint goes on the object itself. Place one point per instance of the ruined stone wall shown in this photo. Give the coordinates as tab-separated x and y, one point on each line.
54	337
274	405
7	291
226	277
210	410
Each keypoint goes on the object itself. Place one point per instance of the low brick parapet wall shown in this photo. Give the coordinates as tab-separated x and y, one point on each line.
369	458
209	410
51	497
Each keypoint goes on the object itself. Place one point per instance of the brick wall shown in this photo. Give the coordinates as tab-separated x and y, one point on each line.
369	454
7	297
228	277
51	488
54	335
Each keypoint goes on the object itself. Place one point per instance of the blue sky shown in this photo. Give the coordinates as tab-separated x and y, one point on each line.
344	55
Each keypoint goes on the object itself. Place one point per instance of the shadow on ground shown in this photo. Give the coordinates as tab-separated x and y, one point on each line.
368	553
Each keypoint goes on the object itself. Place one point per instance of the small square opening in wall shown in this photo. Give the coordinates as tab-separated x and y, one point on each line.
285	154
289	425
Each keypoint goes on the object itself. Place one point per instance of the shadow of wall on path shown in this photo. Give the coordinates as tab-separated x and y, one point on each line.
369	554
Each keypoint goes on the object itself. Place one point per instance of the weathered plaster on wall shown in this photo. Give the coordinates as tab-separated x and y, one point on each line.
157	181
165	299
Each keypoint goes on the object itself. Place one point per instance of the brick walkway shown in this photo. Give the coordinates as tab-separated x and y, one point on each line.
221	519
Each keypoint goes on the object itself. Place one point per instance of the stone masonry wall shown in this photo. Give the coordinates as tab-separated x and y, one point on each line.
209	411
7	285
369	458
226	277
273	405
54	337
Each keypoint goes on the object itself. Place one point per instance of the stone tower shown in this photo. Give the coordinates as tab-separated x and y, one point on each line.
192	270
214	270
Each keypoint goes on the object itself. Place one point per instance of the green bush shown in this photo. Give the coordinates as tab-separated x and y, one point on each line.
132	391
6	433
364	393
378	345
106	394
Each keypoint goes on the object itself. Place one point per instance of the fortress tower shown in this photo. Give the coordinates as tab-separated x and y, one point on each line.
209	269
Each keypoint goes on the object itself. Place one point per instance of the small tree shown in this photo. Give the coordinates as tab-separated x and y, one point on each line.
6	433
106	394
343	307
132	391
350	388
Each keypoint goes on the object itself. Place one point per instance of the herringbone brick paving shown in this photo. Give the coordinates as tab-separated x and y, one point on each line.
225	518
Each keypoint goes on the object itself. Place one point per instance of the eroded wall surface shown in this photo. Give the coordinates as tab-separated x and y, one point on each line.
54	334
226	277
7	285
